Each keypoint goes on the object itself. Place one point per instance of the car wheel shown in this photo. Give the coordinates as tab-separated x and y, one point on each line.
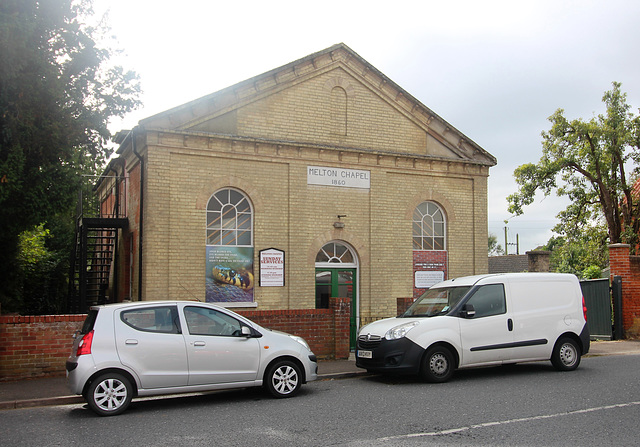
283	379
437	364
566	355
109	394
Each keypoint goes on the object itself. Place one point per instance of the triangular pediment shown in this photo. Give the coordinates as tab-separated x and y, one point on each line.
332	98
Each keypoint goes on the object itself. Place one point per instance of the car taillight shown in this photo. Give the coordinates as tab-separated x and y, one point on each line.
84	347
584	309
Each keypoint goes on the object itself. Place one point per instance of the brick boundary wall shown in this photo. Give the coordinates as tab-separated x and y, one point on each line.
326	330
627	267
38	346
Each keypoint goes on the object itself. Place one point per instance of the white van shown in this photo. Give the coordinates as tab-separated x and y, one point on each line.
479	321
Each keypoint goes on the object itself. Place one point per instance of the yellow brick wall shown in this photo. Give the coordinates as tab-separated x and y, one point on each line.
303	113
184	171
296	120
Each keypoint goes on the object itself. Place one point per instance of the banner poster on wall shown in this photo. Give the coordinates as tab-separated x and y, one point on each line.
271	268
229	276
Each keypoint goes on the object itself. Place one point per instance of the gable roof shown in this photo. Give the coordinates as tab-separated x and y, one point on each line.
194	114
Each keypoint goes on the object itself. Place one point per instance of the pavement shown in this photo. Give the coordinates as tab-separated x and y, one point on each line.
48	391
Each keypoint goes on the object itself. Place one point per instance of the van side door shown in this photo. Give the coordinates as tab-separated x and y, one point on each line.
487	335
541	311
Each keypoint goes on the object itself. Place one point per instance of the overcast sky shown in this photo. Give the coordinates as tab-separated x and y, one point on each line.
496	70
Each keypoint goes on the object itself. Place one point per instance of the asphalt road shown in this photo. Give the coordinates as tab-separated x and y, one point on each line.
522	405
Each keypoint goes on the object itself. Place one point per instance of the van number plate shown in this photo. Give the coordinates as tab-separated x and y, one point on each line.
365	354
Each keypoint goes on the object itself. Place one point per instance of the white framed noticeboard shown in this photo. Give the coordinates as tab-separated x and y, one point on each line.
424	280
271	268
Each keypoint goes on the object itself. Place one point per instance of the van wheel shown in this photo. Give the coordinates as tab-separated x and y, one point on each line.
566	355
283	379
109	394
437	365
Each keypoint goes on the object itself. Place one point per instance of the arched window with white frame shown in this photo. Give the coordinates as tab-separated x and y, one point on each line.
429	227
229	219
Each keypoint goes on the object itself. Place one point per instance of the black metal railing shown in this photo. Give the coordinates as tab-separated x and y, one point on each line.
101	212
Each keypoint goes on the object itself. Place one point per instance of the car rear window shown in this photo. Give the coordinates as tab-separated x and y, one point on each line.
87	326
153	319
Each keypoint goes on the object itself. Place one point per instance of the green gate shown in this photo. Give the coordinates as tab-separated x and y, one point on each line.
597	296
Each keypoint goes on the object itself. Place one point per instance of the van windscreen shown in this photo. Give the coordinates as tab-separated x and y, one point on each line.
437	301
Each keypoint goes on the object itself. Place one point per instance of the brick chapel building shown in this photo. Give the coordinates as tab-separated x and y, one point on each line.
318	178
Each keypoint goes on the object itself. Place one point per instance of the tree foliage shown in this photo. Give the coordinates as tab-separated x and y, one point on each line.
580	250
57	94
593	163
495	249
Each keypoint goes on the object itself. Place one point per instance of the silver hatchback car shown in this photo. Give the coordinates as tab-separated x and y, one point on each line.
164	347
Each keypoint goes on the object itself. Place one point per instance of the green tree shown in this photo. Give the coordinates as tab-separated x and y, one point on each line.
592	163
57	94
495	249
41	272
579	249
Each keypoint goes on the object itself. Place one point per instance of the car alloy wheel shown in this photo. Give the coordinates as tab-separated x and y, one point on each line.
283	379
109	394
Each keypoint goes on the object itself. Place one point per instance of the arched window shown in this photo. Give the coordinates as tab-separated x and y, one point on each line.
334	253
229	219
428	227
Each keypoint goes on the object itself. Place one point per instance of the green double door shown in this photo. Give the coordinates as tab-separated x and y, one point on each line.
340	283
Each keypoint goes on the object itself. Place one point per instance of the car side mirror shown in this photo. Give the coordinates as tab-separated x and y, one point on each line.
468	311
248	332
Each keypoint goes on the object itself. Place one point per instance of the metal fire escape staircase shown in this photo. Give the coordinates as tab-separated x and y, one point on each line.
94	273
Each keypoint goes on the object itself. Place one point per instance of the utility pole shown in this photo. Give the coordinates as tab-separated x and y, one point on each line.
506	242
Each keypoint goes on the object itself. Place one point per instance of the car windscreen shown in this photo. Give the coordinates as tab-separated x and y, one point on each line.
437	301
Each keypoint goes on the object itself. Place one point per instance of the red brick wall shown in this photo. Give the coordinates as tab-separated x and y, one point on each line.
326	330
341	308
627	267
35	346
402	304
429	261
38	346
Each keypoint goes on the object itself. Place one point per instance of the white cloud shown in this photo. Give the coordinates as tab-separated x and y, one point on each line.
494	69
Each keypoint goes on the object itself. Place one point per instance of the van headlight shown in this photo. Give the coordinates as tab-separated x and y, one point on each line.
400	331
301	341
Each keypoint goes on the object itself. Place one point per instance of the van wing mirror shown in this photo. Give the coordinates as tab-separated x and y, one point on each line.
468	311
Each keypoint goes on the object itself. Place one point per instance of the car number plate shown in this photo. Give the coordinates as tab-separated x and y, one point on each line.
365	354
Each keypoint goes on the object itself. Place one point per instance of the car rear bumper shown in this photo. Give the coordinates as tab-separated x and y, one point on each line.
79	370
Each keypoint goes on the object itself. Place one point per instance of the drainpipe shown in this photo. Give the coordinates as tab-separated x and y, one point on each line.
140	230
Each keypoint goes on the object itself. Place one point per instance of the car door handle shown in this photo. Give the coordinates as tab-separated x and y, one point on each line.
510	324
199	343
131	342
